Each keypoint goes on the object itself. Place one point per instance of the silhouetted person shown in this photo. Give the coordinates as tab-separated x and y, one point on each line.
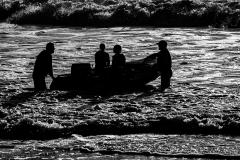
43	67
164	64
118	60
102	60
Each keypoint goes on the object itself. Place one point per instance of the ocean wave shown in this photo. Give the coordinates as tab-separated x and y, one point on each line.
54	114
130	120
125	13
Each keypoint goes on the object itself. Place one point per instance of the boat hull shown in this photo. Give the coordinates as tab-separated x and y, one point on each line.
136	73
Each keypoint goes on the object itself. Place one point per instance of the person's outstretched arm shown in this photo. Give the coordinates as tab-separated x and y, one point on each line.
108	60
50	68
152	56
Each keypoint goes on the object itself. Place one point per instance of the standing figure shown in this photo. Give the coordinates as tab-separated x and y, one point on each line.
43	67
102	60
118	60
164	64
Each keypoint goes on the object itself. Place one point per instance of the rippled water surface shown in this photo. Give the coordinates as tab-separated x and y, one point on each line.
197	118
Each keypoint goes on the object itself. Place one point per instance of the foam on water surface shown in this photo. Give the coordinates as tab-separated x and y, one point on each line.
203	99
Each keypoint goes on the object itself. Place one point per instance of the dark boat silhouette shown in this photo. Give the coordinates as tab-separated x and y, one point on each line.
135	74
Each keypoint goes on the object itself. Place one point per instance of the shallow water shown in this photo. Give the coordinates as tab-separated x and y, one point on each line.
197	118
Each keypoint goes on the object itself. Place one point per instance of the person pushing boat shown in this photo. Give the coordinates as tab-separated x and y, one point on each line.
43	67
164	64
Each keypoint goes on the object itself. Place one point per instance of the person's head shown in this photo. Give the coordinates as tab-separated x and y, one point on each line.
117	49
162	44
50	47
102	47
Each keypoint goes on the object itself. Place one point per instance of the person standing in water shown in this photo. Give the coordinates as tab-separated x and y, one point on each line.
164	64
102	60
43	67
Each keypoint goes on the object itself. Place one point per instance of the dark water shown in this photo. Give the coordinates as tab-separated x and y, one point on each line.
197	118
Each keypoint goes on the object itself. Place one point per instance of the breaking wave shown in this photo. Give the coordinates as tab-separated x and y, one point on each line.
105	13
112	118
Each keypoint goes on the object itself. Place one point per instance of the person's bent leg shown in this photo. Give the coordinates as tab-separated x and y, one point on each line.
165	82
39	83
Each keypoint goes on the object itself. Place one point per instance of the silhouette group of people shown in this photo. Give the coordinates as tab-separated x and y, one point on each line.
43	64
102	60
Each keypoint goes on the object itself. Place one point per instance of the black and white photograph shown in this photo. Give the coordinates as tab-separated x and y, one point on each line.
119	79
